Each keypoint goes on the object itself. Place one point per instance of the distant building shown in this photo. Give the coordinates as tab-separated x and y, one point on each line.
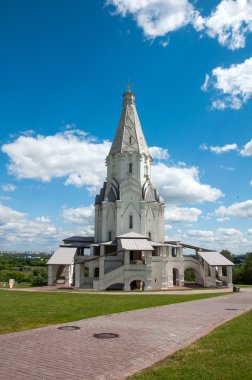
129	250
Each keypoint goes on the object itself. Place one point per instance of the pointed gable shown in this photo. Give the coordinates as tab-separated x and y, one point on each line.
129	136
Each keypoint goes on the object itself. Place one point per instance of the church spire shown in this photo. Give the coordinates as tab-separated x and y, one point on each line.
129	136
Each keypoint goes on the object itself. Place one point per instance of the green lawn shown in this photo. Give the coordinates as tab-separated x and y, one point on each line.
22	310
224	354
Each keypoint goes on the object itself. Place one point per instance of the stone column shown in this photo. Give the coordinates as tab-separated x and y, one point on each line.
229	276
213	276
52	274
82	275
101	268
148	255
126	258
220	271
118	217
181	278
164	277
77	276
170	277
104	220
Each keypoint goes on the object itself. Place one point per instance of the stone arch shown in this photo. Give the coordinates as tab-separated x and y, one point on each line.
196	268
137	284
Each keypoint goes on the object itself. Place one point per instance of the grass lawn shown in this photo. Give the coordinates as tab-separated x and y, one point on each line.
224	354
27	310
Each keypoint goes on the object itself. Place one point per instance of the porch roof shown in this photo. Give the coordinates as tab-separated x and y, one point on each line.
135	244
63	256
215	259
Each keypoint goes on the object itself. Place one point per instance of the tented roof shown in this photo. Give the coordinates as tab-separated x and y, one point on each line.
215	259
129	136
135	245
63	256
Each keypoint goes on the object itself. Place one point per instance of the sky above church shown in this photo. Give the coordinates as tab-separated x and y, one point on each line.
64	67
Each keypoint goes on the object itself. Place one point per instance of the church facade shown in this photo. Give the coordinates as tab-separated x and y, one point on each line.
128	250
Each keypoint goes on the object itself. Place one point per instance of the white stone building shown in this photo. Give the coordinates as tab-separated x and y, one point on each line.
128	249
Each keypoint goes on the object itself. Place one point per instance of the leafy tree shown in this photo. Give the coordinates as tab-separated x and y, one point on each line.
227	254
248	268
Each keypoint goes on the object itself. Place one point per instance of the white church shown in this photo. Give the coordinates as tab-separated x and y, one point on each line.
128	250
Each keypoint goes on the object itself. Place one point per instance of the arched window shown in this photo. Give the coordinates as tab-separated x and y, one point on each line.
130	140
109	235
131	221
130	167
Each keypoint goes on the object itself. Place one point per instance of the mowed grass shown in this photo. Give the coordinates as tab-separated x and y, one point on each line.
20	310
224	354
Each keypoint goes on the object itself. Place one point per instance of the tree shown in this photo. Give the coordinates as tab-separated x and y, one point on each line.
227	254
248	268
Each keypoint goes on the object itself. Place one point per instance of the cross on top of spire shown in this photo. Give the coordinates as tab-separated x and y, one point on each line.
129	86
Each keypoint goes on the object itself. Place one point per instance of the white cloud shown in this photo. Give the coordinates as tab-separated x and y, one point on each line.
230	21
232	85
79	215
237	210
250	231
200	233
156	17
222	220
159	153
8	187
247	149
251	182
175	214
182	185
17	230
218	239
219	149
70	154
81	160
223	149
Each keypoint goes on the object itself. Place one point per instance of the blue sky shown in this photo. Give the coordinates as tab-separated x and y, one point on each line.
64	67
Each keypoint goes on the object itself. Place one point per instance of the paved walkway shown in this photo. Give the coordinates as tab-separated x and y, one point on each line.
145	336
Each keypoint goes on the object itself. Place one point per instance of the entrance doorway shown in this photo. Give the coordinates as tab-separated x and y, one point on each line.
175	273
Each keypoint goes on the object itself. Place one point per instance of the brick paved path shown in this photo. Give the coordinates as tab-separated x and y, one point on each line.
145	336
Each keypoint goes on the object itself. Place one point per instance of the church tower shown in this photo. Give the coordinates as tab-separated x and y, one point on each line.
128	202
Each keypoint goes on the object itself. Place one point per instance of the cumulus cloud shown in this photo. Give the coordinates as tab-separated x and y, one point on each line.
175	214
200	233
220	238
250	231
16	230
182	185
81	161
236	210
8	187
229	22
232	86
71	154
247	149
156	17
219	149
159	153
79	215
